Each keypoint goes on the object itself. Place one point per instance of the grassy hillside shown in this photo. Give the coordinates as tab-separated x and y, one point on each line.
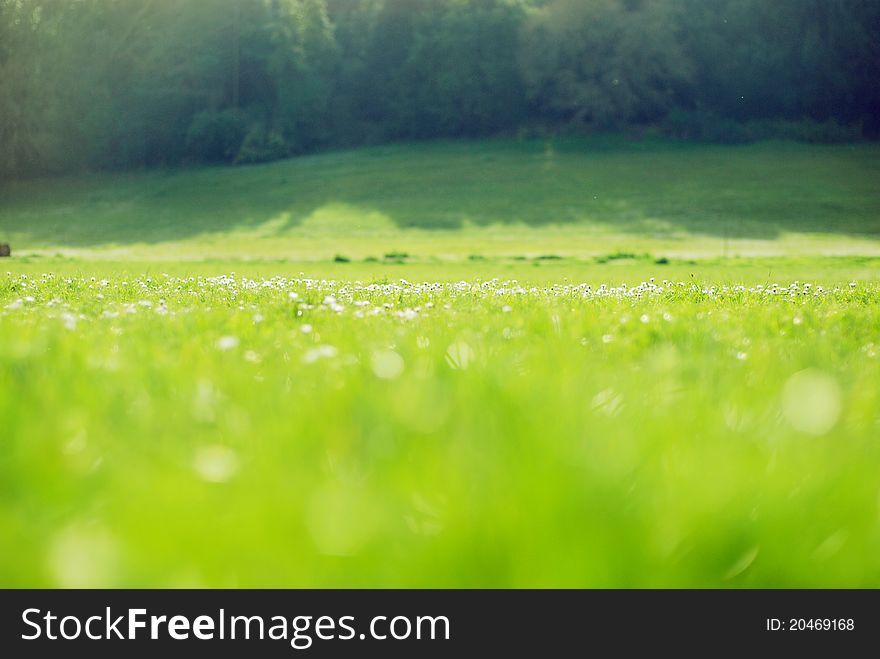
467	200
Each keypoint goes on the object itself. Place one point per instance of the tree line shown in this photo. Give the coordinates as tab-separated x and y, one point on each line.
116	84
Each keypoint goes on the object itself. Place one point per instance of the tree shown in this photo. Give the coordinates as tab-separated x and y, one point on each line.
302	63
96	84
463	72
791	59
605	63
21	123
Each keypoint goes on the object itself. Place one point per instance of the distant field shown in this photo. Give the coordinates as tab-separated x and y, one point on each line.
469	200
584	364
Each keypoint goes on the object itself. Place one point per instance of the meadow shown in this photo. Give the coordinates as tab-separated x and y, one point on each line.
489	364
466	201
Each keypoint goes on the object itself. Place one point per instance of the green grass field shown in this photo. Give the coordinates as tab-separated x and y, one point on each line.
584	364
461	201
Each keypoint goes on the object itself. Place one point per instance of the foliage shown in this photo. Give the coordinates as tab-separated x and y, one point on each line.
605	63
215	136
111	84
261	145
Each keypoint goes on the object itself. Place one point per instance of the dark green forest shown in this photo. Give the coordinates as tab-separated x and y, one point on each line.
122	84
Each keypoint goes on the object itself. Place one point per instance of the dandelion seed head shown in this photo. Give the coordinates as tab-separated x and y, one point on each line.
225	343
319	352
387	364
216	463
812	401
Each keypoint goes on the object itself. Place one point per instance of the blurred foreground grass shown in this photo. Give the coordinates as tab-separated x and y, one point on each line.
239	431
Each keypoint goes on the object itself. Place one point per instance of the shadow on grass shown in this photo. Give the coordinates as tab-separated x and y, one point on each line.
654	188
